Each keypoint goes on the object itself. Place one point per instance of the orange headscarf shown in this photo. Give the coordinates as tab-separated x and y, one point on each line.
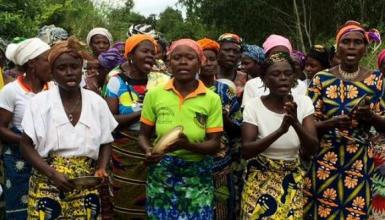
350	26
136	39
208	44
70	45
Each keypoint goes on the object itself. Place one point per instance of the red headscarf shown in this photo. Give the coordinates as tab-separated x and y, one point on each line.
189	43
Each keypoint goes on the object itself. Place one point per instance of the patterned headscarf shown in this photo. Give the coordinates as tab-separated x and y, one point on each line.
300	56
229	37
112	57
373	35
190	43
254	52
52	34
208	44
277	58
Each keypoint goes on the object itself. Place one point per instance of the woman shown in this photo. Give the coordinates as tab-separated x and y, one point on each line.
223	171
317	59
277	132
66	134
31	56
299	61
99	40
251	59
228	58
378	177
180	185
347	103
124	94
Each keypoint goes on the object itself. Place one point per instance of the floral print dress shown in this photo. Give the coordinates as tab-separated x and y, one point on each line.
338	184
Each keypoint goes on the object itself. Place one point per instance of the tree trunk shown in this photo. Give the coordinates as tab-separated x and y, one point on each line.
299	29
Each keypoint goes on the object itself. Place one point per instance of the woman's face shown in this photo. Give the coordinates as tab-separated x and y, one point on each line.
250	66
184	63
351	48
312	66
210	67
279	78
99	44
67	71
42	67
143	57
229	55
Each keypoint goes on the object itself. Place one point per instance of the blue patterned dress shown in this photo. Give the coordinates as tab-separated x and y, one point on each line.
224	182
338	185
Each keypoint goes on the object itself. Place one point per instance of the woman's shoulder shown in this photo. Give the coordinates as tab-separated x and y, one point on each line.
327	73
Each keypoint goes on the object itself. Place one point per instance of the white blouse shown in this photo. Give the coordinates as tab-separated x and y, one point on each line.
47	124
287	146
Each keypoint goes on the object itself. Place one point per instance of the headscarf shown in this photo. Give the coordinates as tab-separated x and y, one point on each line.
101	31
119	45
24	51
52	34
381	58
276	40
254	52
112	57
276	58
321	54
135	40
373	35
141	29
229	37
72	45
189	43
300	56
208	44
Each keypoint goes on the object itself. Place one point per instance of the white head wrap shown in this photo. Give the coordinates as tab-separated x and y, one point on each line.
101	31
20	53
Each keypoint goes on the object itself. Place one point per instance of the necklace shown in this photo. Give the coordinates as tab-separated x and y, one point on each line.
348	76
70	113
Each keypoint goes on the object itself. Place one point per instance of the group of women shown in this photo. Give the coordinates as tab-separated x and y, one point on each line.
284	135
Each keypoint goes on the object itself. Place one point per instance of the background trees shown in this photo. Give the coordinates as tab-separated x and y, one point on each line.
305	22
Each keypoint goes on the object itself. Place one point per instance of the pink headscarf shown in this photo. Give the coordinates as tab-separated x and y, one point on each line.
381	58
190	43
276	40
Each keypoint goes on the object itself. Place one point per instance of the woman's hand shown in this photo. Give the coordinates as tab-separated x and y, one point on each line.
61	182
291	110
101	173
341	121
179	143
363	111
151	157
